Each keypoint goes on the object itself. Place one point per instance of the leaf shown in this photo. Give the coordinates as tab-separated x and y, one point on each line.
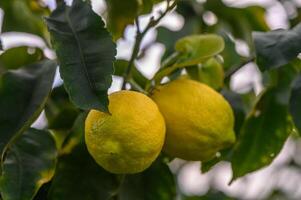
230	56
29	163
59	111
86	54
210	73
121	14
266	128
77	175
277	48
295	103
23	94
194	49
238	107
191	50
157	182
8	58
120	69
169	38
29	17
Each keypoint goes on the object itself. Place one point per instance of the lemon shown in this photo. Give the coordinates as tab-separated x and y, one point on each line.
199	121
130	138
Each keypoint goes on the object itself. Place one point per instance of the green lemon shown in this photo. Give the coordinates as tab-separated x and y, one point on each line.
130	138
199	121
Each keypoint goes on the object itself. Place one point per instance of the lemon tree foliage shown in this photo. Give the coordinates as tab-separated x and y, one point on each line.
8	61
30	162
24	93
30	10
295	101
86	53
277	48
96	146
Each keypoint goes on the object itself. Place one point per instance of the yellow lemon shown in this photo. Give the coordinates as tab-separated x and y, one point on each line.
199	121
130	138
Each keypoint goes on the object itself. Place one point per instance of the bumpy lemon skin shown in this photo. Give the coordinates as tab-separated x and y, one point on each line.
199	121
128	140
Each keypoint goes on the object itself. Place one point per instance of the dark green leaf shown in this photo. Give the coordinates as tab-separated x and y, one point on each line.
277	48
295	103
157	182
24	16
29	163
120	69
77	176
266	128
59	111
238	107
23	94
86	54
24	57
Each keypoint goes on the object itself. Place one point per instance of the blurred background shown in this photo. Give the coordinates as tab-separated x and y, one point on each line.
235	20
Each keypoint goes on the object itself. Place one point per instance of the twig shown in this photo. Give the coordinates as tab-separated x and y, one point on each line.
139	37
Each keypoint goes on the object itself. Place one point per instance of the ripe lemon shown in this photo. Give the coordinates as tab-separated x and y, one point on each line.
199	121
128	140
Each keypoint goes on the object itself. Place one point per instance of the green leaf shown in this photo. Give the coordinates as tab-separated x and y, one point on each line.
121	67
59	111
266	128
77	175
23	94
194	49
24	16
86	53
121	14
277	48
230	56
238	107
157	182
295	103
191	50
210	73
25	57
29	163
169	38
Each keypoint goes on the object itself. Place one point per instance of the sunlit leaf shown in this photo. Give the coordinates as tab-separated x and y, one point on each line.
29	163
86	53
23	94
195	49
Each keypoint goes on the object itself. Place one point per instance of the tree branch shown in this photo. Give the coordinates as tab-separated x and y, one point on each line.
139	37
